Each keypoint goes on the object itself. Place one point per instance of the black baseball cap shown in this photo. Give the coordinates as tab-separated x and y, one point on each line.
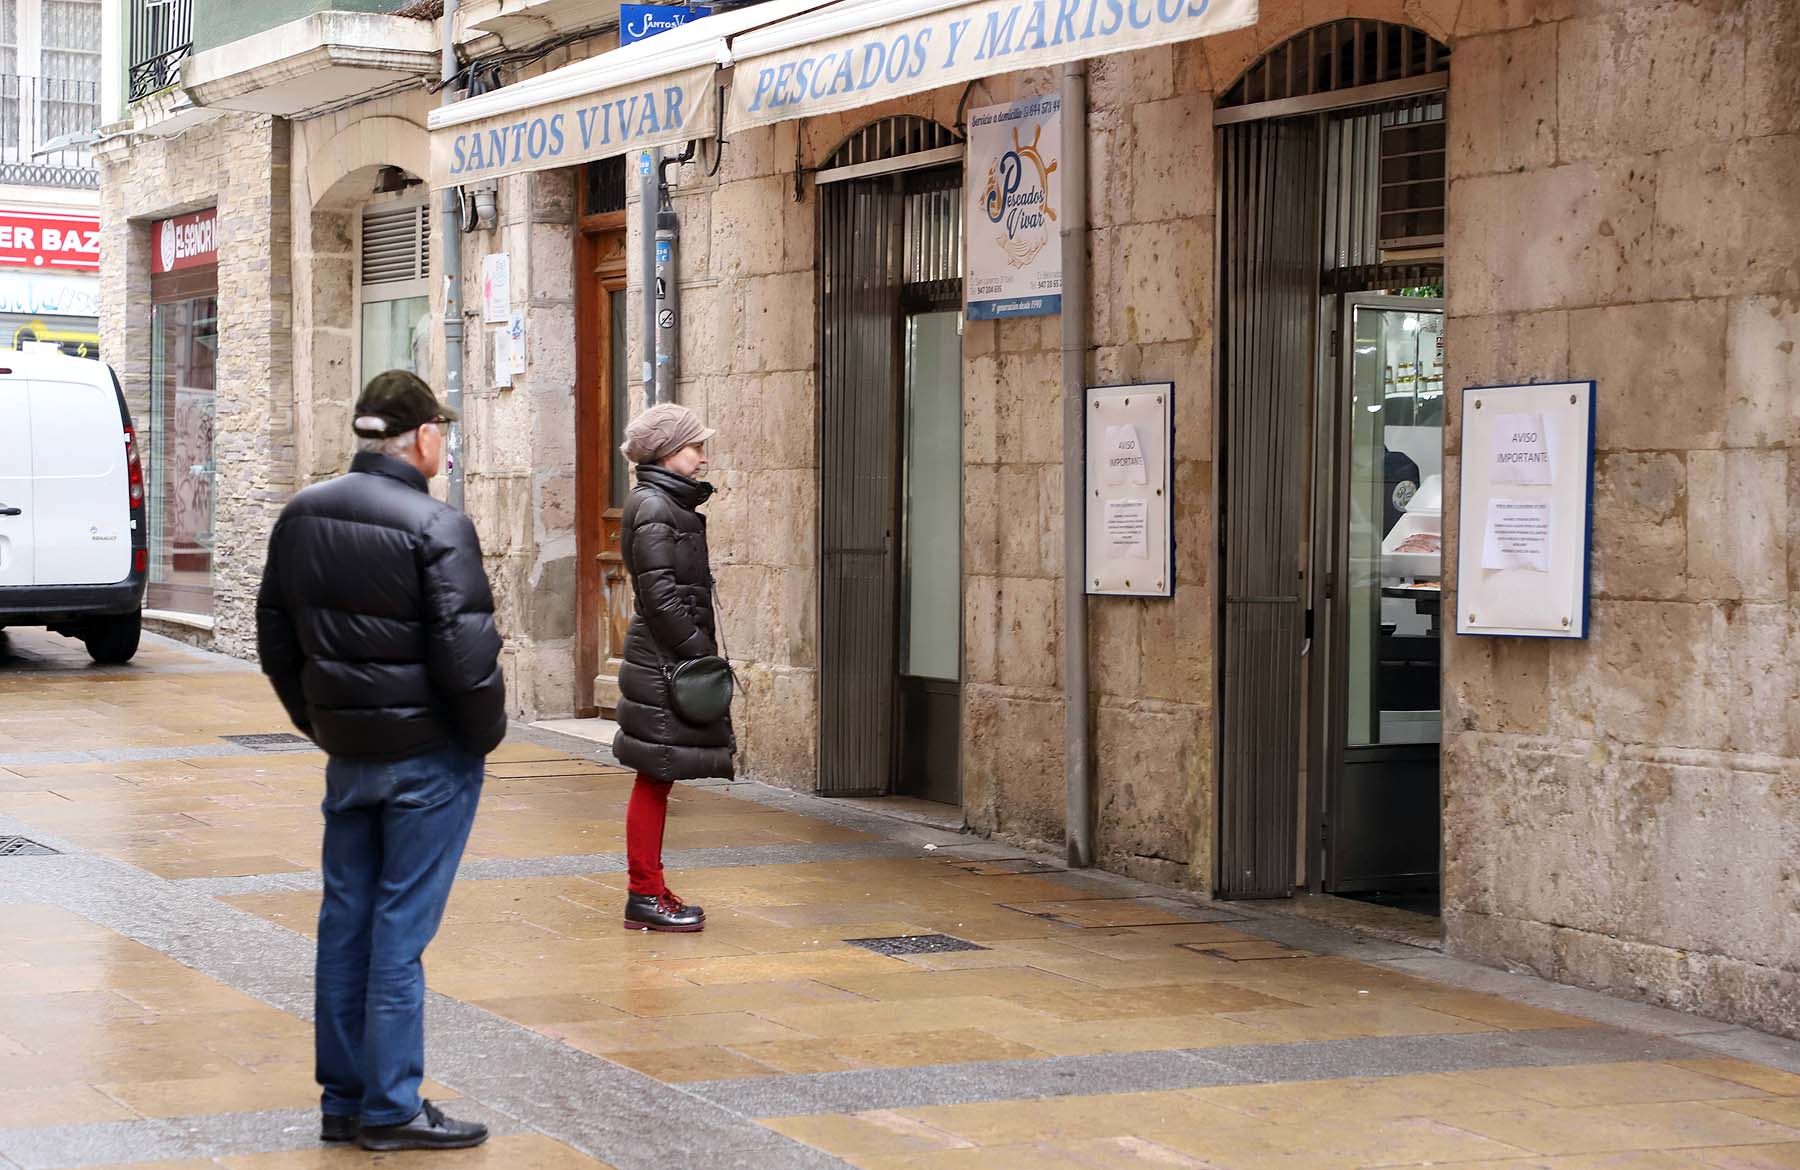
396	402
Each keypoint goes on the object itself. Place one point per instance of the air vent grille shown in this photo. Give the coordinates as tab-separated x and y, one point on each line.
396	244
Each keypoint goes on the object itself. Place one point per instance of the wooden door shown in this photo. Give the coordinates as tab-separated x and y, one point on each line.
602	398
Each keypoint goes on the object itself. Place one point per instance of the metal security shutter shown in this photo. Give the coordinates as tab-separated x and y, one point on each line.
1270	193
396	246
861	237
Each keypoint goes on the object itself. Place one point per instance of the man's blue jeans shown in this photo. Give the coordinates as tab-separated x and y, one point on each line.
394	835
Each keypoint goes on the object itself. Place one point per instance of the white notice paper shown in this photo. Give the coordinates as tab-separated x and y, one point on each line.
1125	456
1521	449
496	288
1518	535
1128	528
500	353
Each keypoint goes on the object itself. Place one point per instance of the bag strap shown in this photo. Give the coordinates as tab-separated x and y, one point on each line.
724	655
712	595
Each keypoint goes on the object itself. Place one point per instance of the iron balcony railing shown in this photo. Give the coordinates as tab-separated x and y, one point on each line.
38	111
162	37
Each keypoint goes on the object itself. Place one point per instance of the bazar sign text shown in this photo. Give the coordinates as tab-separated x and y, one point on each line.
34	239
962	43
671	109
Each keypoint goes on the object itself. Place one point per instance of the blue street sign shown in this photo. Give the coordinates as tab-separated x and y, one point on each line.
638	21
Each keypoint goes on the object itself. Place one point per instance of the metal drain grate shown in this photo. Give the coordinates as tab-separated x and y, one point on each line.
914	944
270	741
24	847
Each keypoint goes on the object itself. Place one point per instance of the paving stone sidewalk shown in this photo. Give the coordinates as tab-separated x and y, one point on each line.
155	985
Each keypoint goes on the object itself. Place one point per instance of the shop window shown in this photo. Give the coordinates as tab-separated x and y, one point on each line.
184	340
396	300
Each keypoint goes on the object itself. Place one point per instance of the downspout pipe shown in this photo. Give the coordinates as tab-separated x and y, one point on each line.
1077	733
450	231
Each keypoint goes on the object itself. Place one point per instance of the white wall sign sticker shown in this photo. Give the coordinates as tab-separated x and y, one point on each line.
516	345
496	288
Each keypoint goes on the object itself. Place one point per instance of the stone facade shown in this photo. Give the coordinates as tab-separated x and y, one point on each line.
1618	812
1622	812
238	163
519	441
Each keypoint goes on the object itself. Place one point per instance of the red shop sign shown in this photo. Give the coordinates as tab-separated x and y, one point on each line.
50	240
187	241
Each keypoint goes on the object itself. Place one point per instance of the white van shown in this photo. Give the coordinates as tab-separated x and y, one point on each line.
74	539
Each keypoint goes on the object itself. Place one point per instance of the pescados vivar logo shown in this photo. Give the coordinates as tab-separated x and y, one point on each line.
1019	202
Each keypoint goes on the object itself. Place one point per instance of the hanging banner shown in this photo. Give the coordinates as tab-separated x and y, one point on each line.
1014	262
774	81
667	111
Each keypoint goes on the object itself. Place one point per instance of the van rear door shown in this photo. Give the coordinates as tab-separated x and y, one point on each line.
82	486
16	510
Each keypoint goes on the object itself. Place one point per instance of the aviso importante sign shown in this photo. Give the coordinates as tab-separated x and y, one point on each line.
959	44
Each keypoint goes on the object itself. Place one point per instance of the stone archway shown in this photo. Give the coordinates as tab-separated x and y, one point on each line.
335	179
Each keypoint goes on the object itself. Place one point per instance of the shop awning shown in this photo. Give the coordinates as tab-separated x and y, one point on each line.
860	52
657	92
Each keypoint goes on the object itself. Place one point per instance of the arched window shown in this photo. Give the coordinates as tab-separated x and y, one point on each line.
1390	60
892	138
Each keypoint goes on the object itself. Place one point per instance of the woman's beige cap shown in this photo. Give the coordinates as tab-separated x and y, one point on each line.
661	431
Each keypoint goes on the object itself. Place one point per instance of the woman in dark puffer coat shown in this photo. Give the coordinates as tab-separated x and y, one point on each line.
663	541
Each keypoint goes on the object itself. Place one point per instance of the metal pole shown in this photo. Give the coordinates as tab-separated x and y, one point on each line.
450	231
1076	768
648	168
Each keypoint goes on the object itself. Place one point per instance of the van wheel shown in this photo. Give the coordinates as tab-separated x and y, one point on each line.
113	640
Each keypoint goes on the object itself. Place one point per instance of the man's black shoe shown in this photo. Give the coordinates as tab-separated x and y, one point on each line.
662	912
430	1130
338	1129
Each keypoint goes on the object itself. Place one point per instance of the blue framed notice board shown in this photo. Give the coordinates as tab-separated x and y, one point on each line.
1525	530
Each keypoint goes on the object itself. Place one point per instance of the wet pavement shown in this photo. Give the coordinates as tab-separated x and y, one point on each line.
155	985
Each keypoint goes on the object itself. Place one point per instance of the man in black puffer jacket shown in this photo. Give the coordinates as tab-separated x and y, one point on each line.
376	625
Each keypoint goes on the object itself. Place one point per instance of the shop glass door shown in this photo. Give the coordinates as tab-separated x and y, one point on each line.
1382	799
181	467
931	559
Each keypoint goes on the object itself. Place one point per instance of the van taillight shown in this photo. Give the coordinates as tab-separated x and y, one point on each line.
134	468
140	560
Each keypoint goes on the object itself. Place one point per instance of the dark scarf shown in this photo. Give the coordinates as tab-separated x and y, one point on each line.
689	493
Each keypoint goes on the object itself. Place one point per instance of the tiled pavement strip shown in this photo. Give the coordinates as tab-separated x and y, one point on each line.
155	986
